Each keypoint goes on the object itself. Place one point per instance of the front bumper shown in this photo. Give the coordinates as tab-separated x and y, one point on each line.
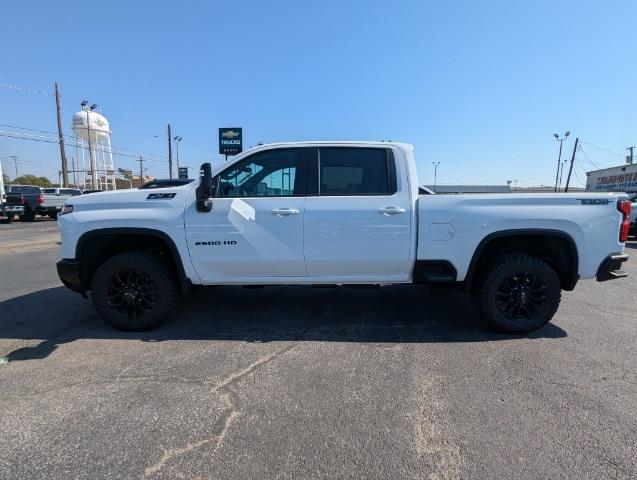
610	268
69	273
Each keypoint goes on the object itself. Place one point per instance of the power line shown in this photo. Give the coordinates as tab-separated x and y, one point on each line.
36	138
588	159
604	149
24	89
115	148
31	129
153	129
23	77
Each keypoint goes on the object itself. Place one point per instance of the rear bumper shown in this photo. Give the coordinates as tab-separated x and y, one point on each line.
69	273
14	209
610	268
48	210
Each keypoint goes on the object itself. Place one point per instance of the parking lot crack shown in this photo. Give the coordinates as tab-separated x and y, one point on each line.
218	439
232	413
440	454
235	377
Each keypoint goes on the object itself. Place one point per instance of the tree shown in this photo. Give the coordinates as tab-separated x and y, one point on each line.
29	179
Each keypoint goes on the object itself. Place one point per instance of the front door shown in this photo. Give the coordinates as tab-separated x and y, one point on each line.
254	231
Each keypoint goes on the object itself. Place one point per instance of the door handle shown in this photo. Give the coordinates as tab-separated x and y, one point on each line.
387	211
284	212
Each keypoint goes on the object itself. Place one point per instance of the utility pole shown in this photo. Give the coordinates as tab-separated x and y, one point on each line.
170	153
630	149
15	163
568	179
65	168
141	170
559	157
435	164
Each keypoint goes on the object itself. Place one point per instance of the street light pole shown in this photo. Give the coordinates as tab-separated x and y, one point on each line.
170	153
559	157
435	164
177	140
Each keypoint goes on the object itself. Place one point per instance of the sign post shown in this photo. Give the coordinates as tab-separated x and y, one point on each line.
230	141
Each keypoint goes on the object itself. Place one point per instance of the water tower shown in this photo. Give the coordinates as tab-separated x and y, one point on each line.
94	168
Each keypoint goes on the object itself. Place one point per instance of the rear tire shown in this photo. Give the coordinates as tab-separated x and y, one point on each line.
29	216
135	291
54	216
518	293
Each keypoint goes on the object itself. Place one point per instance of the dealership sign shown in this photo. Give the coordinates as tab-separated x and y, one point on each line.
616	179
230	141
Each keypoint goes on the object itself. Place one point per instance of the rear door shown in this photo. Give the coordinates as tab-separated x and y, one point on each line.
358	220
255	229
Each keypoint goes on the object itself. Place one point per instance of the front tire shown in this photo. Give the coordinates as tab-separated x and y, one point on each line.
135	291
518	294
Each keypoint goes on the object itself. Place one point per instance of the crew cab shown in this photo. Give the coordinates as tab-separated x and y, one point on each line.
335	213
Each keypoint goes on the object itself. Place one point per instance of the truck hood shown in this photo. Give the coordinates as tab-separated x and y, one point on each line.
130	198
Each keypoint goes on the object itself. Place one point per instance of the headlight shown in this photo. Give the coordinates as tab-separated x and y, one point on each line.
66	209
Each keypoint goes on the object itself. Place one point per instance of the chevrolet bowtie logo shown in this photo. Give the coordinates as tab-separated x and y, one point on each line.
230	134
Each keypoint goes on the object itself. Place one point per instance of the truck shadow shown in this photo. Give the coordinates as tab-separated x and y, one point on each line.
409	314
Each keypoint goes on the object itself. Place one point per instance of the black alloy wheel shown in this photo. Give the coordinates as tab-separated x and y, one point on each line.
517	293
131	293
520	296
135	290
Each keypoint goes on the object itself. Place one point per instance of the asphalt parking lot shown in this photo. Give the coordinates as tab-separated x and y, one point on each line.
295	383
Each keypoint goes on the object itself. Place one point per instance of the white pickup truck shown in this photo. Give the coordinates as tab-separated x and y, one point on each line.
335	213
54	199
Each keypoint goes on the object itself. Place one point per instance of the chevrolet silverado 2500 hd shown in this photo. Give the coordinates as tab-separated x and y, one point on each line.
335	213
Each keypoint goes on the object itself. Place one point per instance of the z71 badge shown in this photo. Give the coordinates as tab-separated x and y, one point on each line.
160	196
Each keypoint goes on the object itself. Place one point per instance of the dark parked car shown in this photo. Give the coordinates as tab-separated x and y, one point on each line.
23	201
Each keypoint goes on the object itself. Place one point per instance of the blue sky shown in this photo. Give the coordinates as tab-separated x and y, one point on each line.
478	86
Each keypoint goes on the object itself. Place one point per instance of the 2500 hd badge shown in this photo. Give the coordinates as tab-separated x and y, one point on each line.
217	242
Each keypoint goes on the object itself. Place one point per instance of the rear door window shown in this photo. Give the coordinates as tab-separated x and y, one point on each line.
356	171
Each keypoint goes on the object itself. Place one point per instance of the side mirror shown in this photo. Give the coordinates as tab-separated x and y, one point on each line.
204	190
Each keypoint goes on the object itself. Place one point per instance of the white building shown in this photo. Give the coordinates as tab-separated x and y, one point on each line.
622	178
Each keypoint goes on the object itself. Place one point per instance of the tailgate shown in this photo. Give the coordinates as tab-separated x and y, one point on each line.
14	199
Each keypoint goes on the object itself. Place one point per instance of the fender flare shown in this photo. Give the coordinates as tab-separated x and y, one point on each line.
184	282
571	282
